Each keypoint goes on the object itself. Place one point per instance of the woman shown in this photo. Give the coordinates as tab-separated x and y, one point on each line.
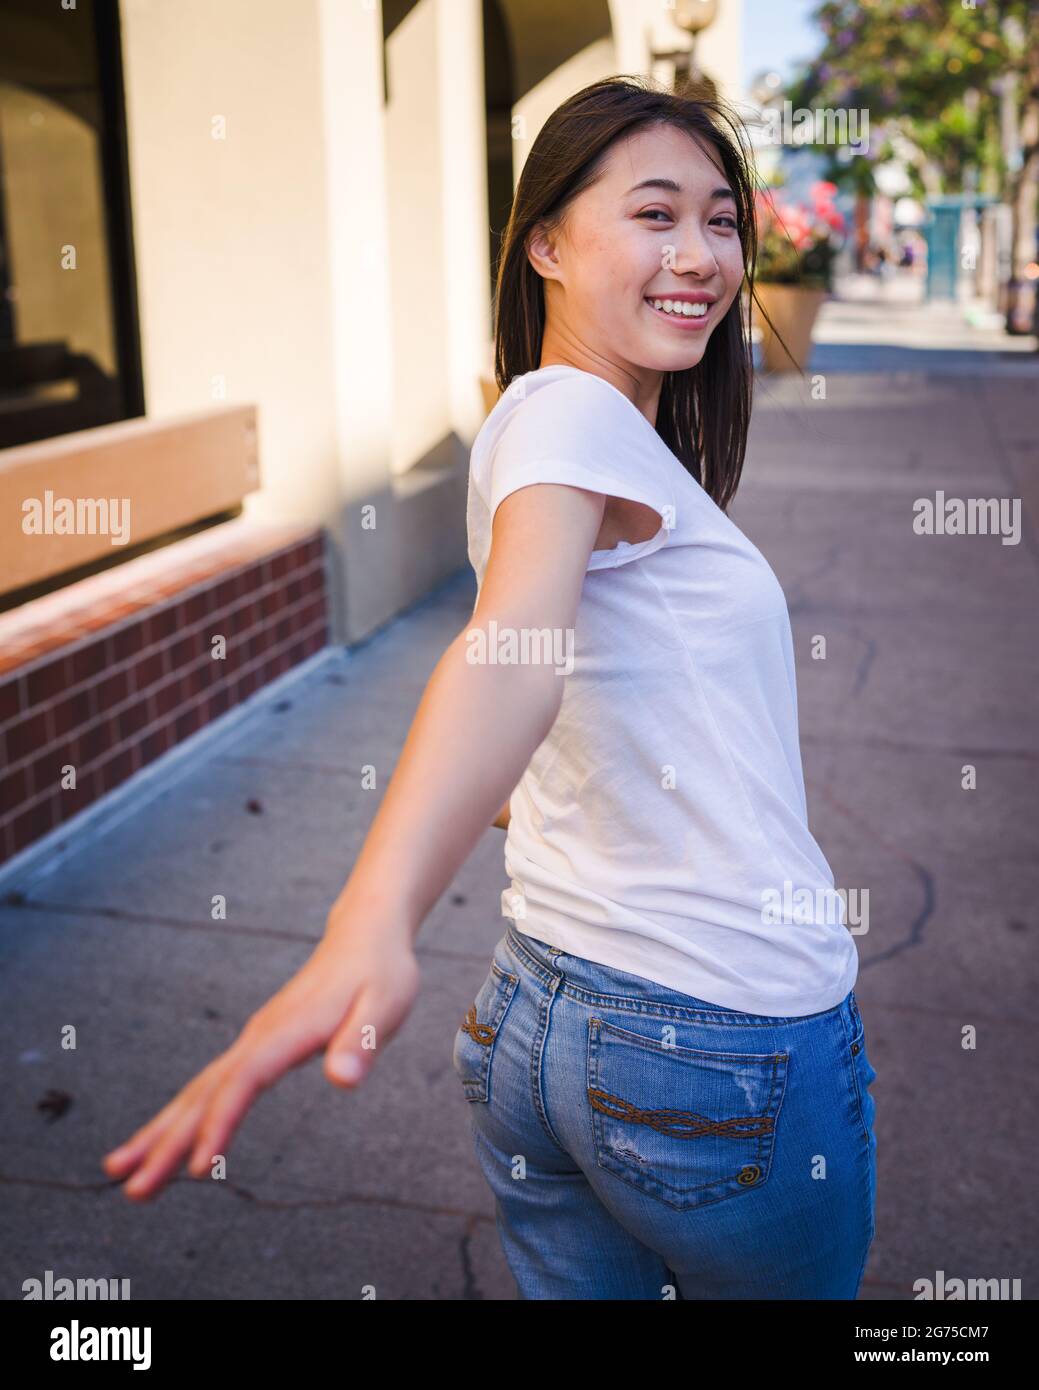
665	1066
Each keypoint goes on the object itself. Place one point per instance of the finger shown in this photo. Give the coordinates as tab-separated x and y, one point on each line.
165	1157
372	1021
222	1117
118	1162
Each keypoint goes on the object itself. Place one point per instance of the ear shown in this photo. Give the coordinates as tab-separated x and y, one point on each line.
543	254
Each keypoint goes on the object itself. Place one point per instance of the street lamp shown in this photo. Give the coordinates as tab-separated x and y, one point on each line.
692	17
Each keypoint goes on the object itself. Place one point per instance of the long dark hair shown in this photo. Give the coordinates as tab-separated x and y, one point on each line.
704	412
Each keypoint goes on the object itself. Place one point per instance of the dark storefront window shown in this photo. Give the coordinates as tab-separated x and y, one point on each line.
69	347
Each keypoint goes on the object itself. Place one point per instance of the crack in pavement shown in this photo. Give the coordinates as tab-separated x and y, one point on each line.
862	673
20	902
939	750
119	914
470	1286
799	598
262	1203
926	879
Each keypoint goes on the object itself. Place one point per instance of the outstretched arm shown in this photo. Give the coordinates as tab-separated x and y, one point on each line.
474	732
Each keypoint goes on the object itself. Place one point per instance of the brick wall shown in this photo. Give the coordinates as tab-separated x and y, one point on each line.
134	672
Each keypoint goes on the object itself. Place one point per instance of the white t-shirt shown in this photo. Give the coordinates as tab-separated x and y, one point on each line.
661	827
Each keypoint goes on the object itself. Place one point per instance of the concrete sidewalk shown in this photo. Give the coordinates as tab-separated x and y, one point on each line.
931	664
872	325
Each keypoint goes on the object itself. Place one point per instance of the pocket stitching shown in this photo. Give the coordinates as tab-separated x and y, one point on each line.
477	1087
653	1186
643	1041
656	1008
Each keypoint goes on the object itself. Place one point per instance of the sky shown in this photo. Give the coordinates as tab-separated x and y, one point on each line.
775	34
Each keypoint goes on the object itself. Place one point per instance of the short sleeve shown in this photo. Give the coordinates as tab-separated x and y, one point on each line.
581	431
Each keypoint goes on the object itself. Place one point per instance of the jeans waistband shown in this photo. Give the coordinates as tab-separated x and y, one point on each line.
581	979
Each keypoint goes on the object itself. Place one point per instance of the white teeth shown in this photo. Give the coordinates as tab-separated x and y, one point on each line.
680	306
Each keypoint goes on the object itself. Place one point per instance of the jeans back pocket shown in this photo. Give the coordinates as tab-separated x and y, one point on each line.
683	1125
478	1032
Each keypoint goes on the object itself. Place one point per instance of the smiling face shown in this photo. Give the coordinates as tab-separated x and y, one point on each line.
652	237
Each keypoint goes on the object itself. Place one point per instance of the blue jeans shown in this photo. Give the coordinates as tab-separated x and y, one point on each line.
643	1144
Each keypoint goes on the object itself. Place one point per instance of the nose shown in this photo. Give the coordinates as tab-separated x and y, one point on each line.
692	255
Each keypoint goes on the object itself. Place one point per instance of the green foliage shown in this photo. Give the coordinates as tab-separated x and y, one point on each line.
925	70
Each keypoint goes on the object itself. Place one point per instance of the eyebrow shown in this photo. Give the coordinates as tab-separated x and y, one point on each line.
671	187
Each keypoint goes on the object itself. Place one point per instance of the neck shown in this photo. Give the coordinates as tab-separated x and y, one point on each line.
640	384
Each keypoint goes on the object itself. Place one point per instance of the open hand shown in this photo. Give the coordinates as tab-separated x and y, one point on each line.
361	980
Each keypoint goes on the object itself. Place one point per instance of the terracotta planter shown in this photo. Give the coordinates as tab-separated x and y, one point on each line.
793	309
